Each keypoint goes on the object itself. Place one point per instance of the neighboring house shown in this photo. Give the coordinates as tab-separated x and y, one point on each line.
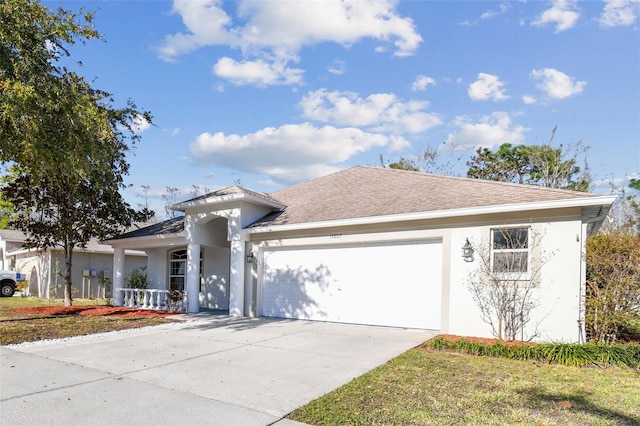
370	246
90	276
9	240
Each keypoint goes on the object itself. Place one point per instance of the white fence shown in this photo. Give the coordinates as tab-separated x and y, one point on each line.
160	300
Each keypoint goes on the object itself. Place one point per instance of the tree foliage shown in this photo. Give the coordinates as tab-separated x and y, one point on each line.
542	165
6	208
33	95
66	140
613	285
624	217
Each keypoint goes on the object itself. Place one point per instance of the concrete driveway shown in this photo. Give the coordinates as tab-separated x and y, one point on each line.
206	370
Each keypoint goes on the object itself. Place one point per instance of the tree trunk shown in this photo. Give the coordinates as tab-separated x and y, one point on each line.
68	255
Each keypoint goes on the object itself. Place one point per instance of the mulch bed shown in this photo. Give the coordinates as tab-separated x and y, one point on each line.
94	310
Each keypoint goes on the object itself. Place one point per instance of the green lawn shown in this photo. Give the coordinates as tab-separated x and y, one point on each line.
425	387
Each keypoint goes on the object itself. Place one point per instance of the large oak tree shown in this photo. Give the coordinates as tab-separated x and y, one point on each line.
64	139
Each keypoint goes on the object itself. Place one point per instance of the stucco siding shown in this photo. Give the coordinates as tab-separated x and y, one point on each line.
464	316
215	279
556	255
157	267
561	289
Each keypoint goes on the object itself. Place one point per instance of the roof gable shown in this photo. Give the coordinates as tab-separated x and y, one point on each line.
228	194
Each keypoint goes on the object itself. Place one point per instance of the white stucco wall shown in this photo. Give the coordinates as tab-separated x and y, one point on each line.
215	294
561	290
158	267
464	317
558	293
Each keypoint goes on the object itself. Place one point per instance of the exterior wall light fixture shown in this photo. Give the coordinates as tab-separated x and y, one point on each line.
467	251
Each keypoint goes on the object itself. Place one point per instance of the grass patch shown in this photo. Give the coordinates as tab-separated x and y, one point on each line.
18	327
427	387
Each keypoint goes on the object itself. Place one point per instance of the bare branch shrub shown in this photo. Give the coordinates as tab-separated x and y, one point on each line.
505	282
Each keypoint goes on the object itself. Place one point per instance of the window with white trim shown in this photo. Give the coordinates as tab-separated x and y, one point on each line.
178	269
510	252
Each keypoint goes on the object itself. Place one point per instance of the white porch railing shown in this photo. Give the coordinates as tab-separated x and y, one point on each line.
151	298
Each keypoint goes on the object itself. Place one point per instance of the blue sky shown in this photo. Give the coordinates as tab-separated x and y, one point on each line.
272	93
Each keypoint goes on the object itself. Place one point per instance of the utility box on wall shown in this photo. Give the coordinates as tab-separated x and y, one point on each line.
89	273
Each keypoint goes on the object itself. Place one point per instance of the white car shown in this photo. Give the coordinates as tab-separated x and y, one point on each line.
7	283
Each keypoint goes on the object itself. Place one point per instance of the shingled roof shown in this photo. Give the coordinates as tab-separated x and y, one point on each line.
364	191
167	227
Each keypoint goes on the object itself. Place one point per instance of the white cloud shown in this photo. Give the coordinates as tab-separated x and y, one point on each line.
292	25
276	31
504	6
491	131
172	132
487	86
207	24
381	112
422	82
290	153
260	72
528	99
619	13
562	13
338	67
556	84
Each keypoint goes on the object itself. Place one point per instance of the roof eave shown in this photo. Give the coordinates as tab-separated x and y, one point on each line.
20	251
146	239
440	214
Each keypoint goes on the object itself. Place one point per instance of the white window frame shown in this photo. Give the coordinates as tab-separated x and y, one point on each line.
516	275
184	268
184	276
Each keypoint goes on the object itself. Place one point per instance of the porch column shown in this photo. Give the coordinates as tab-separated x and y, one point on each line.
118	277
193	278
236	279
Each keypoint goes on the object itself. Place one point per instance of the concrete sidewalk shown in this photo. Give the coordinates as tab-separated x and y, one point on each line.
206	370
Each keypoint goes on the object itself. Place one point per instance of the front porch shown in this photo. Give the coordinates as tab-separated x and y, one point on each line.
202	254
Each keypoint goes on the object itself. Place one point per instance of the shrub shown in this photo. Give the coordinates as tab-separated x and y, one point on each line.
137	278
612	300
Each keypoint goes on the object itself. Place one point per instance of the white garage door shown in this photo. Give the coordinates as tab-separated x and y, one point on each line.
392	285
